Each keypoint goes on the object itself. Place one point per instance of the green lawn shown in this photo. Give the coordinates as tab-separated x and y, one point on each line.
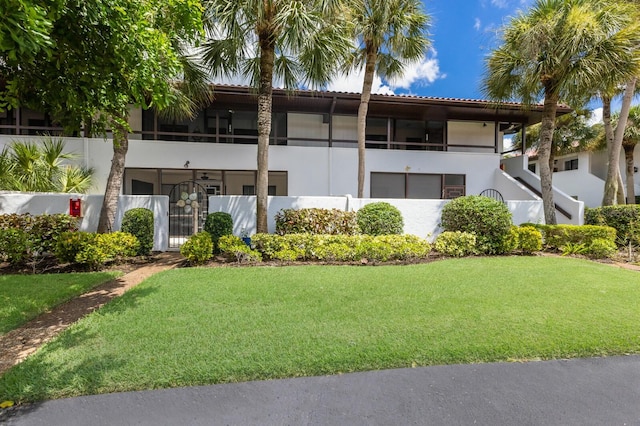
201	326
23	297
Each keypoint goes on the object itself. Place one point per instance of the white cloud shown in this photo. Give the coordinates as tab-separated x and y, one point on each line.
502	4
477	25
596	117
353	83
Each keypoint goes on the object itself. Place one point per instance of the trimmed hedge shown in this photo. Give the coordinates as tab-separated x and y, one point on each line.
218	224
341	248
488	219
94	250
139	222
380	219
557	236
316	221
455	243
624	218
42	230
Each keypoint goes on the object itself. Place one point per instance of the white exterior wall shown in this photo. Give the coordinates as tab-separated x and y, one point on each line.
421	217
470	133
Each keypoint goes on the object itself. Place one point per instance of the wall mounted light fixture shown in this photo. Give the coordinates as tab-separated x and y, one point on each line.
186	164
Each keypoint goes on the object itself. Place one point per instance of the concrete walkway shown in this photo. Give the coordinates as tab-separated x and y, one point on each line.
598	391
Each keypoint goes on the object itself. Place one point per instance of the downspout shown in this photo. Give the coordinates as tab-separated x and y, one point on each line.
329	146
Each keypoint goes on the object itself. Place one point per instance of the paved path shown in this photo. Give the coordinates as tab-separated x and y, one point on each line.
598	391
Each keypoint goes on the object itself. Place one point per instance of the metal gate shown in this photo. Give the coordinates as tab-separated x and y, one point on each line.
188	209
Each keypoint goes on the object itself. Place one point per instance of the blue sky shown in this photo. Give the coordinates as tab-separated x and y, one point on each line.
463	33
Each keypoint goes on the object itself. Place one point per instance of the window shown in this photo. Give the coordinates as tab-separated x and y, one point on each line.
532	167
417	185
251	190
571	164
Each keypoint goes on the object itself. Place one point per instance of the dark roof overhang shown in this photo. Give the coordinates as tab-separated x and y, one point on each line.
397	106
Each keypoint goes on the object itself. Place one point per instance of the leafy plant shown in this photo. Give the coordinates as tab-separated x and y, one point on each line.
380	219
139	222
118	245
316	221
529	239
601	248
455	243
574	248
232	245
218	224
488	219
621	217
198	248
15	246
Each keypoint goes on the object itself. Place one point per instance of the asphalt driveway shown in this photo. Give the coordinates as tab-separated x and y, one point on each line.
597	391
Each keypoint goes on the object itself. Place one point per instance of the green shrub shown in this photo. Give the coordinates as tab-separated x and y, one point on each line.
15	246
488	219
217	225
380	219
42	230
511	241
529	239
623	218
557	236
92	255
69	245
601	248
341	248
139	222
455	243
233	246
118	245
316	221
574	248
198	248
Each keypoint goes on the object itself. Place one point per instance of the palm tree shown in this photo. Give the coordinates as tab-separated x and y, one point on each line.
561	49
297	42
40	167
389	33
629	141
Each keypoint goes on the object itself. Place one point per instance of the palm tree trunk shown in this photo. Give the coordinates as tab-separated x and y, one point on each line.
610	186
613	170
369	71
267	54
628	156
544	153
114	182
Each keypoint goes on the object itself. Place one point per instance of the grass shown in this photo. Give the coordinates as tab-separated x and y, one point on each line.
201	326
23	297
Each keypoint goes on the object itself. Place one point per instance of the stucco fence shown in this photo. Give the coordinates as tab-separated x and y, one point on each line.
421	217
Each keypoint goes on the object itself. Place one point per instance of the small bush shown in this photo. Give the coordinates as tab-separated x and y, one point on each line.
139	222
601	248
316	221
92	255
455	243
118	245
621	217
557	236
380	219
42	230
15	246
234	247
217	225
529	239
70	243
488	219
198	248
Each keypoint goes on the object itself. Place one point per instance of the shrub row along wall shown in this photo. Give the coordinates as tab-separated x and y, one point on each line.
421	217
37	204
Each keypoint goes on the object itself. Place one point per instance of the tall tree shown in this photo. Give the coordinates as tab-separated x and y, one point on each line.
613	182
24	34
630	139
107	56
561	49
293	41
389	35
